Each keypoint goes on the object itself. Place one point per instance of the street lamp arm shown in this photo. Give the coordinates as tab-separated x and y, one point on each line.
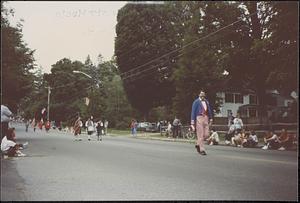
97	81
76	71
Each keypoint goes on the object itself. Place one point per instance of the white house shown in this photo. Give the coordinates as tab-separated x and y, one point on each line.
231	101
247	102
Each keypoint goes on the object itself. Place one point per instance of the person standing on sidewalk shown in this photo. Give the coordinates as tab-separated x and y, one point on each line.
5	118
201	118
133	126
176	127
105	126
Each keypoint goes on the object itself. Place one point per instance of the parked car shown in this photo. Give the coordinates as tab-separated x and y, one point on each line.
152	127
142	126
147	127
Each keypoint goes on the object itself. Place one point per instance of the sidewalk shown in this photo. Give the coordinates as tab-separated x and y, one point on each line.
149	137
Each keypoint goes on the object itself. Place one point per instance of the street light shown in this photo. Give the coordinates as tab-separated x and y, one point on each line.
98	81
77	71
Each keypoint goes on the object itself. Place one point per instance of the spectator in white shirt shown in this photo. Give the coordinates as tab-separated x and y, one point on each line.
252	140
5	118
271	140
9	145
238	123
214	138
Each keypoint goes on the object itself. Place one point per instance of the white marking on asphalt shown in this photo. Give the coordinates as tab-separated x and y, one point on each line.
255	159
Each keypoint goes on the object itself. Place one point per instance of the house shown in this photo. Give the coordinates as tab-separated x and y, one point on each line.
231	100
280	106
246	102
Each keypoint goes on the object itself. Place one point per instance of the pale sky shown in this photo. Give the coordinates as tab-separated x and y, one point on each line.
67	29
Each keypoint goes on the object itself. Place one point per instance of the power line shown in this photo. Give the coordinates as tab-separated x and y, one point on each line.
152	67
188	44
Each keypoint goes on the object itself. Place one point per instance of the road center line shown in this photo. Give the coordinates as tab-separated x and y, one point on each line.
255	159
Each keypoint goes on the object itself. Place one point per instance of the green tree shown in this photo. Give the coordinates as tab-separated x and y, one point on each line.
146	32
267	56
67	90
30	104
205	55
17	62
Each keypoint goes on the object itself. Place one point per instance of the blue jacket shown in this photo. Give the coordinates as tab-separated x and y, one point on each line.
197	108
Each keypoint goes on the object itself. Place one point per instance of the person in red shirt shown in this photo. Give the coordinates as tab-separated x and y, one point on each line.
285	140
47	125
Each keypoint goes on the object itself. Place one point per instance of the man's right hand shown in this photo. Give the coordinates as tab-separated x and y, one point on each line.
193	127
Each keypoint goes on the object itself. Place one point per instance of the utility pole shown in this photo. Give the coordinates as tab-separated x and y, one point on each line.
48	109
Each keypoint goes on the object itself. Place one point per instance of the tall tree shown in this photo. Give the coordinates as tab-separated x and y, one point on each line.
205	53
67	89
267	56
17	61
144	33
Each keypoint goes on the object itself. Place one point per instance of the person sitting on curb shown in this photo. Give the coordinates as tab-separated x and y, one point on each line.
252	140
285	140
236	139
9	145
230	133
271	140
214	138
244	135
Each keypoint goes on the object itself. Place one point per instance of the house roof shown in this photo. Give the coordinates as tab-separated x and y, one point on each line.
248	105
236	89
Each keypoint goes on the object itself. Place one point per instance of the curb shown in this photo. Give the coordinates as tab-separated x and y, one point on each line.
185	141
166	139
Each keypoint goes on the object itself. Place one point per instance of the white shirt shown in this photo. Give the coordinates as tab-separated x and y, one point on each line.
5	114
215	136
238	123
274	137
90	125
253	137
204	104
6	144
169	127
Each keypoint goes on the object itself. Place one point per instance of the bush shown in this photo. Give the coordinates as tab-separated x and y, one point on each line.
122	125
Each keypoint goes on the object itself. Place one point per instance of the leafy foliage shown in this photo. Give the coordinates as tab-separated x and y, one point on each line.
258	48
17	62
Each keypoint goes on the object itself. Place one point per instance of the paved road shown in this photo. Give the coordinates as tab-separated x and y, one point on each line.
124	168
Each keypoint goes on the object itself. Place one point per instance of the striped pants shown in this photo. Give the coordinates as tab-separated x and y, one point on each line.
202	129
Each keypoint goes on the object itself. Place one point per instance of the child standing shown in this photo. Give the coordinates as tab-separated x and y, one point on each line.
99	128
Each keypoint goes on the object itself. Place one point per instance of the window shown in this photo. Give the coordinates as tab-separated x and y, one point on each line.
252	112
229	112
229	98
238	98
243	113
252	99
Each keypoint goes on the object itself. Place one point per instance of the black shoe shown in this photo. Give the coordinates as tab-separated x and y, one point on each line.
203	153
198	148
